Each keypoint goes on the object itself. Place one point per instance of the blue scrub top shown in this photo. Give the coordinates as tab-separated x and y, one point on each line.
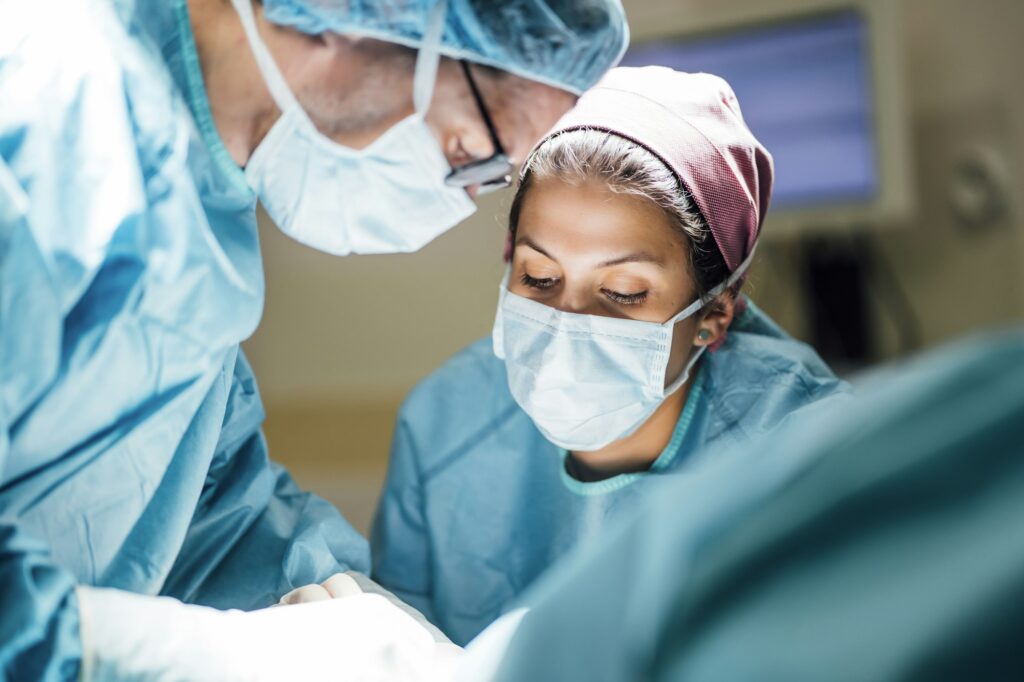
478	504
130	447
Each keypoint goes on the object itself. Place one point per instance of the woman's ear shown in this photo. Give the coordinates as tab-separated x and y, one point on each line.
711	329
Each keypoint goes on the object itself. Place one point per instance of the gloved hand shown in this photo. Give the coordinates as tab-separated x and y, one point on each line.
342	585
337	586
362	637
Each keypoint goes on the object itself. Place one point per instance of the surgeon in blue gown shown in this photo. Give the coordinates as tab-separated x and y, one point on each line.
131	455
535	441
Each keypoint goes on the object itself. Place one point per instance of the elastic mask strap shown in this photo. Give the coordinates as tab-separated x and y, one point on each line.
697	305
278	86
498	331
737	274
424	77
429	57
685	374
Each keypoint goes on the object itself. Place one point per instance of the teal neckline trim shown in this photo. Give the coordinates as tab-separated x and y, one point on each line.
664	460
199	103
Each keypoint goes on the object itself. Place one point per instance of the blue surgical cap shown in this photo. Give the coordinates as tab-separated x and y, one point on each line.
568	44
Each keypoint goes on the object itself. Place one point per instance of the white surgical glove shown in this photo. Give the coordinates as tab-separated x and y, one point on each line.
341	585
360	638
337	586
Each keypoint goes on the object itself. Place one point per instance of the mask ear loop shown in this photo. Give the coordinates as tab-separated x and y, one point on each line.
429	57
424	77
697	305
738	273
276	84
498	330
685	374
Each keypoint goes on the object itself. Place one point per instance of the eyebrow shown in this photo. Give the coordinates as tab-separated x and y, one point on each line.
526	241
638	257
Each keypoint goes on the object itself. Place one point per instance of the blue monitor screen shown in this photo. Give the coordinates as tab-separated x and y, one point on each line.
805	91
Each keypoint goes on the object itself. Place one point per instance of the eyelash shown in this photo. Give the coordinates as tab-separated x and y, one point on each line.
621	299
625	299
535	283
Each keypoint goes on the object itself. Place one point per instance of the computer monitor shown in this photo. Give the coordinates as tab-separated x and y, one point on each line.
821	90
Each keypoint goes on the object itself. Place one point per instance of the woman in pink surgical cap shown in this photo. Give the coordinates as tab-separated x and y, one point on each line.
623	350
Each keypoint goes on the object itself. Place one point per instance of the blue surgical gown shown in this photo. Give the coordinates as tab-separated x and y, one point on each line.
477	504
883	543
130	447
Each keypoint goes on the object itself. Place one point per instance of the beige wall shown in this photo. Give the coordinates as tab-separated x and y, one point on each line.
343	340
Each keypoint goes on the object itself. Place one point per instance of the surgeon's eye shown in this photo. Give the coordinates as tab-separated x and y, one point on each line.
538	283
626	299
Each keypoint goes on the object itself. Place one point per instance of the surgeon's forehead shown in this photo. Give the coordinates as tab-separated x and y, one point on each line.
588	219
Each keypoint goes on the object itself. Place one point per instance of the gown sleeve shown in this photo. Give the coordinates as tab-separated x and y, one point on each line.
39	616
256	535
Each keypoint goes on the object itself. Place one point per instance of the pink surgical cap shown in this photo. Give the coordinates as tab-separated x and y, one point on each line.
692	122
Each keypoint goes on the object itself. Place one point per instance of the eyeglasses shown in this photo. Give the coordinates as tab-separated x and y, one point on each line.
492	173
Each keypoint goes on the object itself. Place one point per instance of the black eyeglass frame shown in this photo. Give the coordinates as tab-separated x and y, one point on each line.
492	173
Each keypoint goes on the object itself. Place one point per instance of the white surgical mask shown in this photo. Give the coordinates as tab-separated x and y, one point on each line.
389	197
587	380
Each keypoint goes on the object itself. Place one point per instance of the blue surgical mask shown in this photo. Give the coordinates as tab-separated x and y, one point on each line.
389	197
587	380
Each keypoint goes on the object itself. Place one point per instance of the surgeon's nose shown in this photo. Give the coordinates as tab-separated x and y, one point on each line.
576	302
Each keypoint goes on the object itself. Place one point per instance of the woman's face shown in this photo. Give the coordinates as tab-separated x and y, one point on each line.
586	249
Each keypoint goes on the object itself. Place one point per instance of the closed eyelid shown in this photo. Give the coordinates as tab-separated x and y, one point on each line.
627	282
626	291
